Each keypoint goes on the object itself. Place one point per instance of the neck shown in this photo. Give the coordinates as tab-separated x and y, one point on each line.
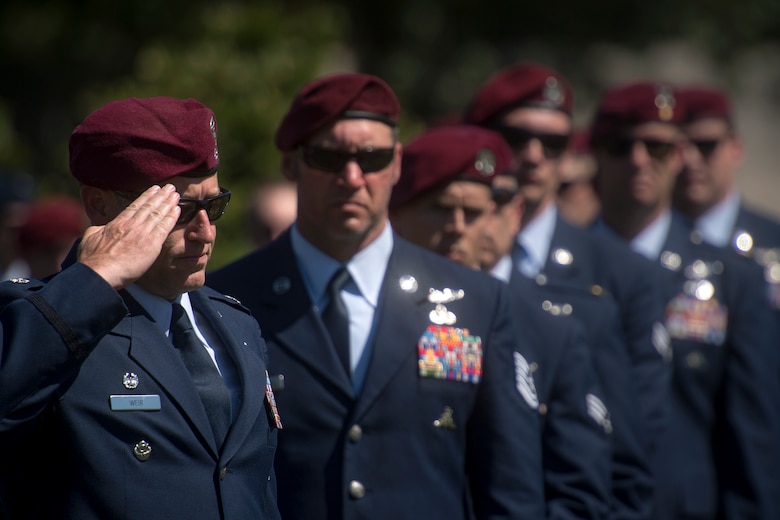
629	223
533	210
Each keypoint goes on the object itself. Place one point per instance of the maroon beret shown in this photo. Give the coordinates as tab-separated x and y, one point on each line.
703	102
628	105
448	153
50	221
339	96
520	85
134	143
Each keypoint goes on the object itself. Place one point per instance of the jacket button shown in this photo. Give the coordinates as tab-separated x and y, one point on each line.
356	489
355	433
142	450
223	473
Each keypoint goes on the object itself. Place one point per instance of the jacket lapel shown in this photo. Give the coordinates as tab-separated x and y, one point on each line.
402	318
151	349
249	367
290	319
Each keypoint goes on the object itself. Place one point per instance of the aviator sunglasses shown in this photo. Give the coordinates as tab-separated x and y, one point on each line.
553	145
215	206
332	160
622	146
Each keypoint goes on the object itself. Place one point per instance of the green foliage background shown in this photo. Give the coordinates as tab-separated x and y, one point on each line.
245	59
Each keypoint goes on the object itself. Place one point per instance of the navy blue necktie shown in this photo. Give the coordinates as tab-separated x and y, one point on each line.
211	387
336	317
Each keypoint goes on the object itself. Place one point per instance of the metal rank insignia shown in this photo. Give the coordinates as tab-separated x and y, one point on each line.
441	315
270	401
450	353
130	380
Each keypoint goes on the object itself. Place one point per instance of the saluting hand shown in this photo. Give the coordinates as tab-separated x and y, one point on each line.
124	249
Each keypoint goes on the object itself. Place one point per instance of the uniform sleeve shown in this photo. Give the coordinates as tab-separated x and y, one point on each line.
577	432
748	426
47	330
504	453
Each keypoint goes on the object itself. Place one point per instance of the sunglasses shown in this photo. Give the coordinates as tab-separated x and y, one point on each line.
215	206
706	147
553	145
622	146
331	160
502	196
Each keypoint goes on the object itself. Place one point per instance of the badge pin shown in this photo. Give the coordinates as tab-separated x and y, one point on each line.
671	261
441	316
130	380
446	420
408	284
562	257
743	242
446	295
142	450
20	280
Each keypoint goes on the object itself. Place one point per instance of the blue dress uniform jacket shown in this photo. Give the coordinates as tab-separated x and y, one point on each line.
579	257
406	446
631	484
73	341
719	458
576	430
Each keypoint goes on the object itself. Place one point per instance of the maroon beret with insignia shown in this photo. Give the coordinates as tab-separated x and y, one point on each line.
632	104
52	220
704	102
520	85
134	143
338	96
447	153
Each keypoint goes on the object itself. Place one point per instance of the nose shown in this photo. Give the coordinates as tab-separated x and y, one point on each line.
200	228
352	175
457	221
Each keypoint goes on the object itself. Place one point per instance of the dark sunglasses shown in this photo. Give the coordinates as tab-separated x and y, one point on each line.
553	145
622	146
215	206
502	196
706	147
332	160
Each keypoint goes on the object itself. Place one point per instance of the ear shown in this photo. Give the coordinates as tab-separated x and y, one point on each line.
99	205
289	169
397	163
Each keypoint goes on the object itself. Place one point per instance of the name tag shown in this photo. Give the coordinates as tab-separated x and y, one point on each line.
123	403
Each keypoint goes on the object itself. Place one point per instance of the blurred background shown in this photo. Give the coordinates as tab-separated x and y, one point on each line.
246	59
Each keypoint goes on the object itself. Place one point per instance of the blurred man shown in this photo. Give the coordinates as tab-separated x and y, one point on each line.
577	197
530	105
400	391
271	211
718	458
707	192
52	225
632	485
101	414
442	202
17	191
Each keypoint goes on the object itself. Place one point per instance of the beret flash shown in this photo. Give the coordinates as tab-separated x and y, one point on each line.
520	85
635	103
